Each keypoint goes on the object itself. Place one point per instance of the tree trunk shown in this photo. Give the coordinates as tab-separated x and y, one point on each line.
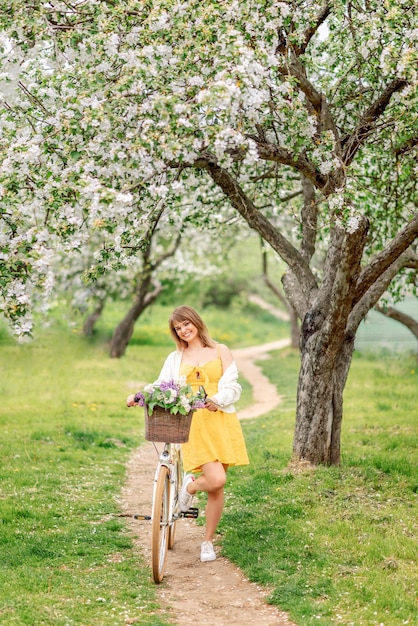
124	331
92	319
325	364
331	309
294	328
125	328
320	402
341	371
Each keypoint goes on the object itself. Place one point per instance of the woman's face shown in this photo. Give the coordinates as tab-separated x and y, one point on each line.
186	330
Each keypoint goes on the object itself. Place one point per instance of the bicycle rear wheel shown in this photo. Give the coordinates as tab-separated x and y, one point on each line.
160	524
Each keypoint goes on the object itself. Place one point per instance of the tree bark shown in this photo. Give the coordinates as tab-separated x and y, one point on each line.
321	386
92	319
326	352
124	330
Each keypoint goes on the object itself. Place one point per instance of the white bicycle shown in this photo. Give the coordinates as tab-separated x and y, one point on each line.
166	511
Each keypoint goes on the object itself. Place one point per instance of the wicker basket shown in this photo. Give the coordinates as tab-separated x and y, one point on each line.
162	425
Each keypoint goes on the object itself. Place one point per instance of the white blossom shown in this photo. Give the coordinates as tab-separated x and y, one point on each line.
96	118
283	8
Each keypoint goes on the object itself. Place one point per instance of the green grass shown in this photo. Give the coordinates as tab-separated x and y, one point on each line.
237	327
66	435
333	546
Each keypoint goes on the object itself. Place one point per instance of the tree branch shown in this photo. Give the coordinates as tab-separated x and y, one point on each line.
412	262
312	29
317	101
294	294
169	253
331	265
263	226
150	296
277	154
340	298
376	290
399	316
309	219
353	142
271	152
389	255
407	146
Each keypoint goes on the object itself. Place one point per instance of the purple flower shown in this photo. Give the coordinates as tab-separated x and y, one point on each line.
139	398
199	404
175	395
165	385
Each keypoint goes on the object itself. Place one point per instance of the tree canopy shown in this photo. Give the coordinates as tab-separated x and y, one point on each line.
110	109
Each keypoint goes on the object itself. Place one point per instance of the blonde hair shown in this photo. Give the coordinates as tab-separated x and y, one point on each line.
186	313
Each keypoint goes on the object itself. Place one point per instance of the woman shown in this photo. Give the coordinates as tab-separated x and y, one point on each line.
216	439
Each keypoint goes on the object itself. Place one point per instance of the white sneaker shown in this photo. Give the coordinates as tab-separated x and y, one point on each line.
185	498
207	553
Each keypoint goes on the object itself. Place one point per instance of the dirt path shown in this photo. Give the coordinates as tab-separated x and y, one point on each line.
281	315
216	593
264	393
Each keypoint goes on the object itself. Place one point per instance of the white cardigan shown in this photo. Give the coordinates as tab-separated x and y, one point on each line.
229	389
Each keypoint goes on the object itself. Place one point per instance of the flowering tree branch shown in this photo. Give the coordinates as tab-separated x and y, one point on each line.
242	203
366	125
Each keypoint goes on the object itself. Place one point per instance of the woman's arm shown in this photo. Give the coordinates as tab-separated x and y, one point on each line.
169	371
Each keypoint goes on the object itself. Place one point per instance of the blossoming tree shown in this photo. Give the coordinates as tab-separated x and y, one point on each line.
110	109
161	259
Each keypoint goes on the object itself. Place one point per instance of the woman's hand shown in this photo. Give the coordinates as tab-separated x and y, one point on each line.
130	400
211	406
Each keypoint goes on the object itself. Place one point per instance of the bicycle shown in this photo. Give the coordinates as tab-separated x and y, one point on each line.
165	506
161	425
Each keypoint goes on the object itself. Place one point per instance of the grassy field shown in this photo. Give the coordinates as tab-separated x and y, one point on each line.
334	546
66	558
337	545
65	441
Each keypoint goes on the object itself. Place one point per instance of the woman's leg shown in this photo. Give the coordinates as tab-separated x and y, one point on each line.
212	481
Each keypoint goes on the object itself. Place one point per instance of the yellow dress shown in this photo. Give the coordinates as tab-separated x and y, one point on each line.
214	435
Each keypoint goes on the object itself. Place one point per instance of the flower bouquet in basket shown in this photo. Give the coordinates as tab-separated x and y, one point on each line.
169	407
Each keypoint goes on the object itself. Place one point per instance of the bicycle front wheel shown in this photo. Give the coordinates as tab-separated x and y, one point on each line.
160	524
177	479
